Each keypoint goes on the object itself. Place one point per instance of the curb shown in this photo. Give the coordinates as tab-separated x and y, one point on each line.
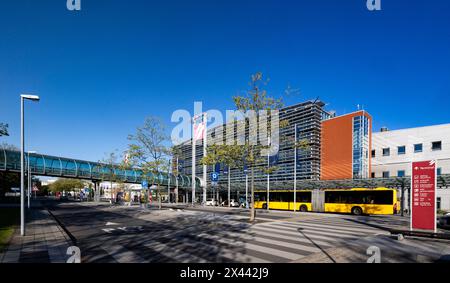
70	236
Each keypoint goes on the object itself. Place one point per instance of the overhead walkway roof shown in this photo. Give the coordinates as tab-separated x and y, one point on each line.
46	165
443	182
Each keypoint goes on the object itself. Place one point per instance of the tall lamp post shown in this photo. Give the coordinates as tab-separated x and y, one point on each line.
23	97
29	178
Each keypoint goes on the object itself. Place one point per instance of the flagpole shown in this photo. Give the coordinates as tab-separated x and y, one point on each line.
205	168
193	160
268	176
229	186
295	169
246	190
168	182
176	182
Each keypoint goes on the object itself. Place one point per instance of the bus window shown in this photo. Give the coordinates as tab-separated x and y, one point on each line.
359	197
259	196
274	196
383	197
303	197
287	197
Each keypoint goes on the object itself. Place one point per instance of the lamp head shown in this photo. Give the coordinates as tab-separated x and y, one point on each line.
30	97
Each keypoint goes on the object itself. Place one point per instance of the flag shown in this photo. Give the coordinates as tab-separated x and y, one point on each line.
217	168
126	158
199	130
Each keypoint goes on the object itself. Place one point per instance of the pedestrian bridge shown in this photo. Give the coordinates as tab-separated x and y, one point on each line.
52	166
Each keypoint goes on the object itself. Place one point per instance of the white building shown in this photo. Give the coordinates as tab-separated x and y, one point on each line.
393	152
106	188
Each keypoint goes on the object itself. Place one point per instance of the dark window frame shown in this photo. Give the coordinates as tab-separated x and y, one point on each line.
421	147
401	152
433	148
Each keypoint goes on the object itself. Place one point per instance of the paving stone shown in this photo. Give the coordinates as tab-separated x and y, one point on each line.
42	233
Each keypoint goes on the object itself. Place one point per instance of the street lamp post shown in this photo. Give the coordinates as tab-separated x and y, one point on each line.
23	97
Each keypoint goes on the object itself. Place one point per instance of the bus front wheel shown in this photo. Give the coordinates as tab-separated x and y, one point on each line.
356	210
303	208
264	206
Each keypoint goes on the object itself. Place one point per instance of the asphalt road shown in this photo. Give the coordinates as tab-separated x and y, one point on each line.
133	234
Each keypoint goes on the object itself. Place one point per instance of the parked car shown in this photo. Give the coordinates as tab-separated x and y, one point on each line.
211	202
444	221
233	203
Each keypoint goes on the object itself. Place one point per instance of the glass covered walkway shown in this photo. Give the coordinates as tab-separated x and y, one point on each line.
45	165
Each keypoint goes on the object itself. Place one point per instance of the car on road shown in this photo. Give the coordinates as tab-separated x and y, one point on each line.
233	203
63	198
211	202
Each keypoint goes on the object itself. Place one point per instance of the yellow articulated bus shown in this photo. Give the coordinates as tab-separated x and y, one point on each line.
355	201
284	200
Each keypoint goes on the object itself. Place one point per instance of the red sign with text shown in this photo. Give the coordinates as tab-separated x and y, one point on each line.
423	198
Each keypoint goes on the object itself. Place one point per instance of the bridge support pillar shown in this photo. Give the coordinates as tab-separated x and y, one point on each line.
96	191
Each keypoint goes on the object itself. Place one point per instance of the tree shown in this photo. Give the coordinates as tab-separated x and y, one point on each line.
111	160
175	153
148	150
256	99
4	129
66	185
249	154
7	146
8	180
229	155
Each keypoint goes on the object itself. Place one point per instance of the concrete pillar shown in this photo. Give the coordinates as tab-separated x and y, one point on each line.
96	192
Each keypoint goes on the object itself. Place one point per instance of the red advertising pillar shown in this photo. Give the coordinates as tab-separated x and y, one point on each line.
423	196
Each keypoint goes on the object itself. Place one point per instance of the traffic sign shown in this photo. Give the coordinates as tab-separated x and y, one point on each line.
144	184
214	177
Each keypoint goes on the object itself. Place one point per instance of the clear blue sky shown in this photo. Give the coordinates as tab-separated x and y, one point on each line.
101	71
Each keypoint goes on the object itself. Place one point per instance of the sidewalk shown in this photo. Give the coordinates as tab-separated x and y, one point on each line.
45	241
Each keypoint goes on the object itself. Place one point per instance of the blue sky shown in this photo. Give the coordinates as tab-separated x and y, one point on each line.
102	70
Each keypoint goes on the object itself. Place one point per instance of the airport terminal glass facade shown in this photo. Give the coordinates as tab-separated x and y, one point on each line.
307	116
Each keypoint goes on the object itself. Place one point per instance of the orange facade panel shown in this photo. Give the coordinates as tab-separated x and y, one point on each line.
336	146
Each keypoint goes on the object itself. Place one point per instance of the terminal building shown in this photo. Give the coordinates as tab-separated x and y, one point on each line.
343	153
345	147
393	152
307	117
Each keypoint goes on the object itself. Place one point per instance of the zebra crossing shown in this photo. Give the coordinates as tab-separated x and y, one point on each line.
228	238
